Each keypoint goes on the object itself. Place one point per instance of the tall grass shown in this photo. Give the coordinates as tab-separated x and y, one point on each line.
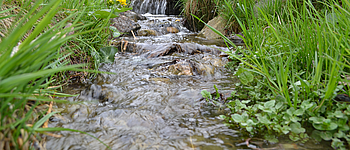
27	65
301	52
297	44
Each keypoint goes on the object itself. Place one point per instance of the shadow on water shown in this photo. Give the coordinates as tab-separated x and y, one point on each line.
154	102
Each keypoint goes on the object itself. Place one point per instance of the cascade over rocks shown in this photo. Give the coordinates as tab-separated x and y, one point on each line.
177	67
152	51
167	7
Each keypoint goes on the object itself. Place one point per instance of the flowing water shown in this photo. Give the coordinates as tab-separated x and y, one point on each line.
153	100
149	6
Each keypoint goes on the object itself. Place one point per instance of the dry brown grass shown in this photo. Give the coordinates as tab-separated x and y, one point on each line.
204	9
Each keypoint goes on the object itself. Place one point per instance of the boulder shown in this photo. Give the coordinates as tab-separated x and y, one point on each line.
218	23
133	15
125	24
182	67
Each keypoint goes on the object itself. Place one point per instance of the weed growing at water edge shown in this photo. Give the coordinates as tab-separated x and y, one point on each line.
298	54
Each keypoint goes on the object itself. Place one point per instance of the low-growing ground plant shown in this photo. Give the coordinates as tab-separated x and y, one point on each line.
293	71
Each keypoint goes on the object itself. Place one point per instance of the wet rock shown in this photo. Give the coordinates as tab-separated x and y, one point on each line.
172	30
218	23
124	24
133	15
183	67
147	32
342	98
205	69
236	39
176	67
95	92
163	51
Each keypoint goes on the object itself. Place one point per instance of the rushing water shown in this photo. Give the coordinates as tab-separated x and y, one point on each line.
145	105
149	6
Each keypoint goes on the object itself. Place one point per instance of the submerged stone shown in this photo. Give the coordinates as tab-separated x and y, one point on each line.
147	32
172	30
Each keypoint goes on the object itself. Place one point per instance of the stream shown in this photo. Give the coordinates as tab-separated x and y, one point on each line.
153	100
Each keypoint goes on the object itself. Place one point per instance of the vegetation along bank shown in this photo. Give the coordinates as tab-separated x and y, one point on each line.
294	69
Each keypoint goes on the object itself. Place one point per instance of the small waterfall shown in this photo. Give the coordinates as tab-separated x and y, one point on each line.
149	6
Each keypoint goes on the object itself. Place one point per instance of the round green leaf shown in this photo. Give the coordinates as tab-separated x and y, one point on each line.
269	104
245	77
237	118
296	128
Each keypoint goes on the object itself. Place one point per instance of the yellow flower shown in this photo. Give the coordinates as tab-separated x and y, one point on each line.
123	2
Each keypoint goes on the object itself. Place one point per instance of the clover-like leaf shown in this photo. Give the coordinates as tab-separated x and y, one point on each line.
317	120
206	94
249	129
339	114
271	138
338	144
316	135
306	105
296	128
107	54
340	134
246	77
115	32
294	138
279	105
263	119
326	135
280	98
222	116
237	118
299	112
270	104
326	125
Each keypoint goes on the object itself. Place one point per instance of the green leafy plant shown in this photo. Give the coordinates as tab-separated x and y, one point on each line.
27	65
206	95
298	56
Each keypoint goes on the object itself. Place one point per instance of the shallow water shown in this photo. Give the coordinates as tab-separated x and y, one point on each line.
146	106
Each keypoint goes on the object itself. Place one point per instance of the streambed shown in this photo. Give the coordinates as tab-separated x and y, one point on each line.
153	100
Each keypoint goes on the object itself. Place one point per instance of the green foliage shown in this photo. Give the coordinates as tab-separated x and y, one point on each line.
107	54
29	63
87	45
206	95
297	55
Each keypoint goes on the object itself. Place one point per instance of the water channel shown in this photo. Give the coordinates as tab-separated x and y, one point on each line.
153	100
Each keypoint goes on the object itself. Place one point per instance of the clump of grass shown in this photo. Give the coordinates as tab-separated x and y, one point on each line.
29	64
300	54
205	9
25	70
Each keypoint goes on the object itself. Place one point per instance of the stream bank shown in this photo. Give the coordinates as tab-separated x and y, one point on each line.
153	100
